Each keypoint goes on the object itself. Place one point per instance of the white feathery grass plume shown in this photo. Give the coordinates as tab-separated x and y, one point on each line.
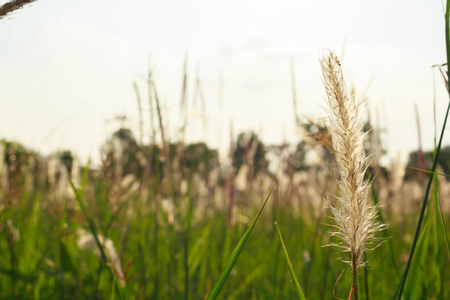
86	241
355	217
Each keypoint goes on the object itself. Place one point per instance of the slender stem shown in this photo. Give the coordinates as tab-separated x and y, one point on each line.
355	277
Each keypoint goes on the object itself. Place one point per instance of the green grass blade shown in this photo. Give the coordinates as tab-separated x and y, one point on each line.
444	227
422	211
79	192
426	171
298	288
435	265
112	290
433	169
235	254
416	282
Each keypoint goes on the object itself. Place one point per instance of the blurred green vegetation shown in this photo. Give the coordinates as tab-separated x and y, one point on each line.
173	233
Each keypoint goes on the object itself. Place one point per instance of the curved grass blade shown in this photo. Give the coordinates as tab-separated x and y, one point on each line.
444	227
429	172
235	254
433	169
298	288
422	211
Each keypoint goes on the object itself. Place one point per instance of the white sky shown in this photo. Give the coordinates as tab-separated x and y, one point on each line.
67	67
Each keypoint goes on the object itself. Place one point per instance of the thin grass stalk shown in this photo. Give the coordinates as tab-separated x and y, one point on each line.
184	86
141	122
434	110
183	104
151	106
355	276
433	169
230	185
366	277
294	94
166	149
420	158
161	128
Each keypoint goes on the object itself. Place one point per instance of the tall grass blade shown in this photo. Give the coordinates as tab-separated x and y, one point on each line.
416	285
433	169
235	254
444	227
436	266
298	288
79	197
422	210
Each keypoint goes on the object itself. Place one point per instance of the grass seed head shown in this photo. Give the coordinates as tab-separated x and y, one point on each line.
354	216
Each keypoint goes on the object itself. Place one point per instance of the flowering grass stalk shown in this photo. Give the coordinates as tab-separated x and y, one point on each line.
355	218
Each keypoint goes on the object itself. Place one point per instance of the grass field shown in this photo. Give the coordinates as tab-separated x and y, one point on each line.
178	251
170	220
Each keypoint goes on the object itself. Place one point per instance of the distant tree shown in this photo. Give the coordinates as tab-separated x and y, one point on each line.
199	158
131	152
18	162
297	159
123	149
66	159
250	150
147	159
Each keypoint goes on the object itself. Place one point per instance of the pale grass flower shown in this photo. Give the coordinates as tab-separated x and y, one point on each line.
86	241
355	217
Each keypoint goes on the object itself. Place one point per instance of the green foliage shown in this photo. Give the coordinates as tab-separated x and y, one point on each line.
298	288
235	254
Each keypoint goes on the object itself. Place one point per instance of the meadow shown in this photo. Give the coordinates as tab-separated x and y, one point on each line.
160	221
169	219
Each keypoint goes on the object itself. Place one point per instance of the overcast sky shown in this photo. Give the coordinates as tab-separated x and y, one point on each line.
67	67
